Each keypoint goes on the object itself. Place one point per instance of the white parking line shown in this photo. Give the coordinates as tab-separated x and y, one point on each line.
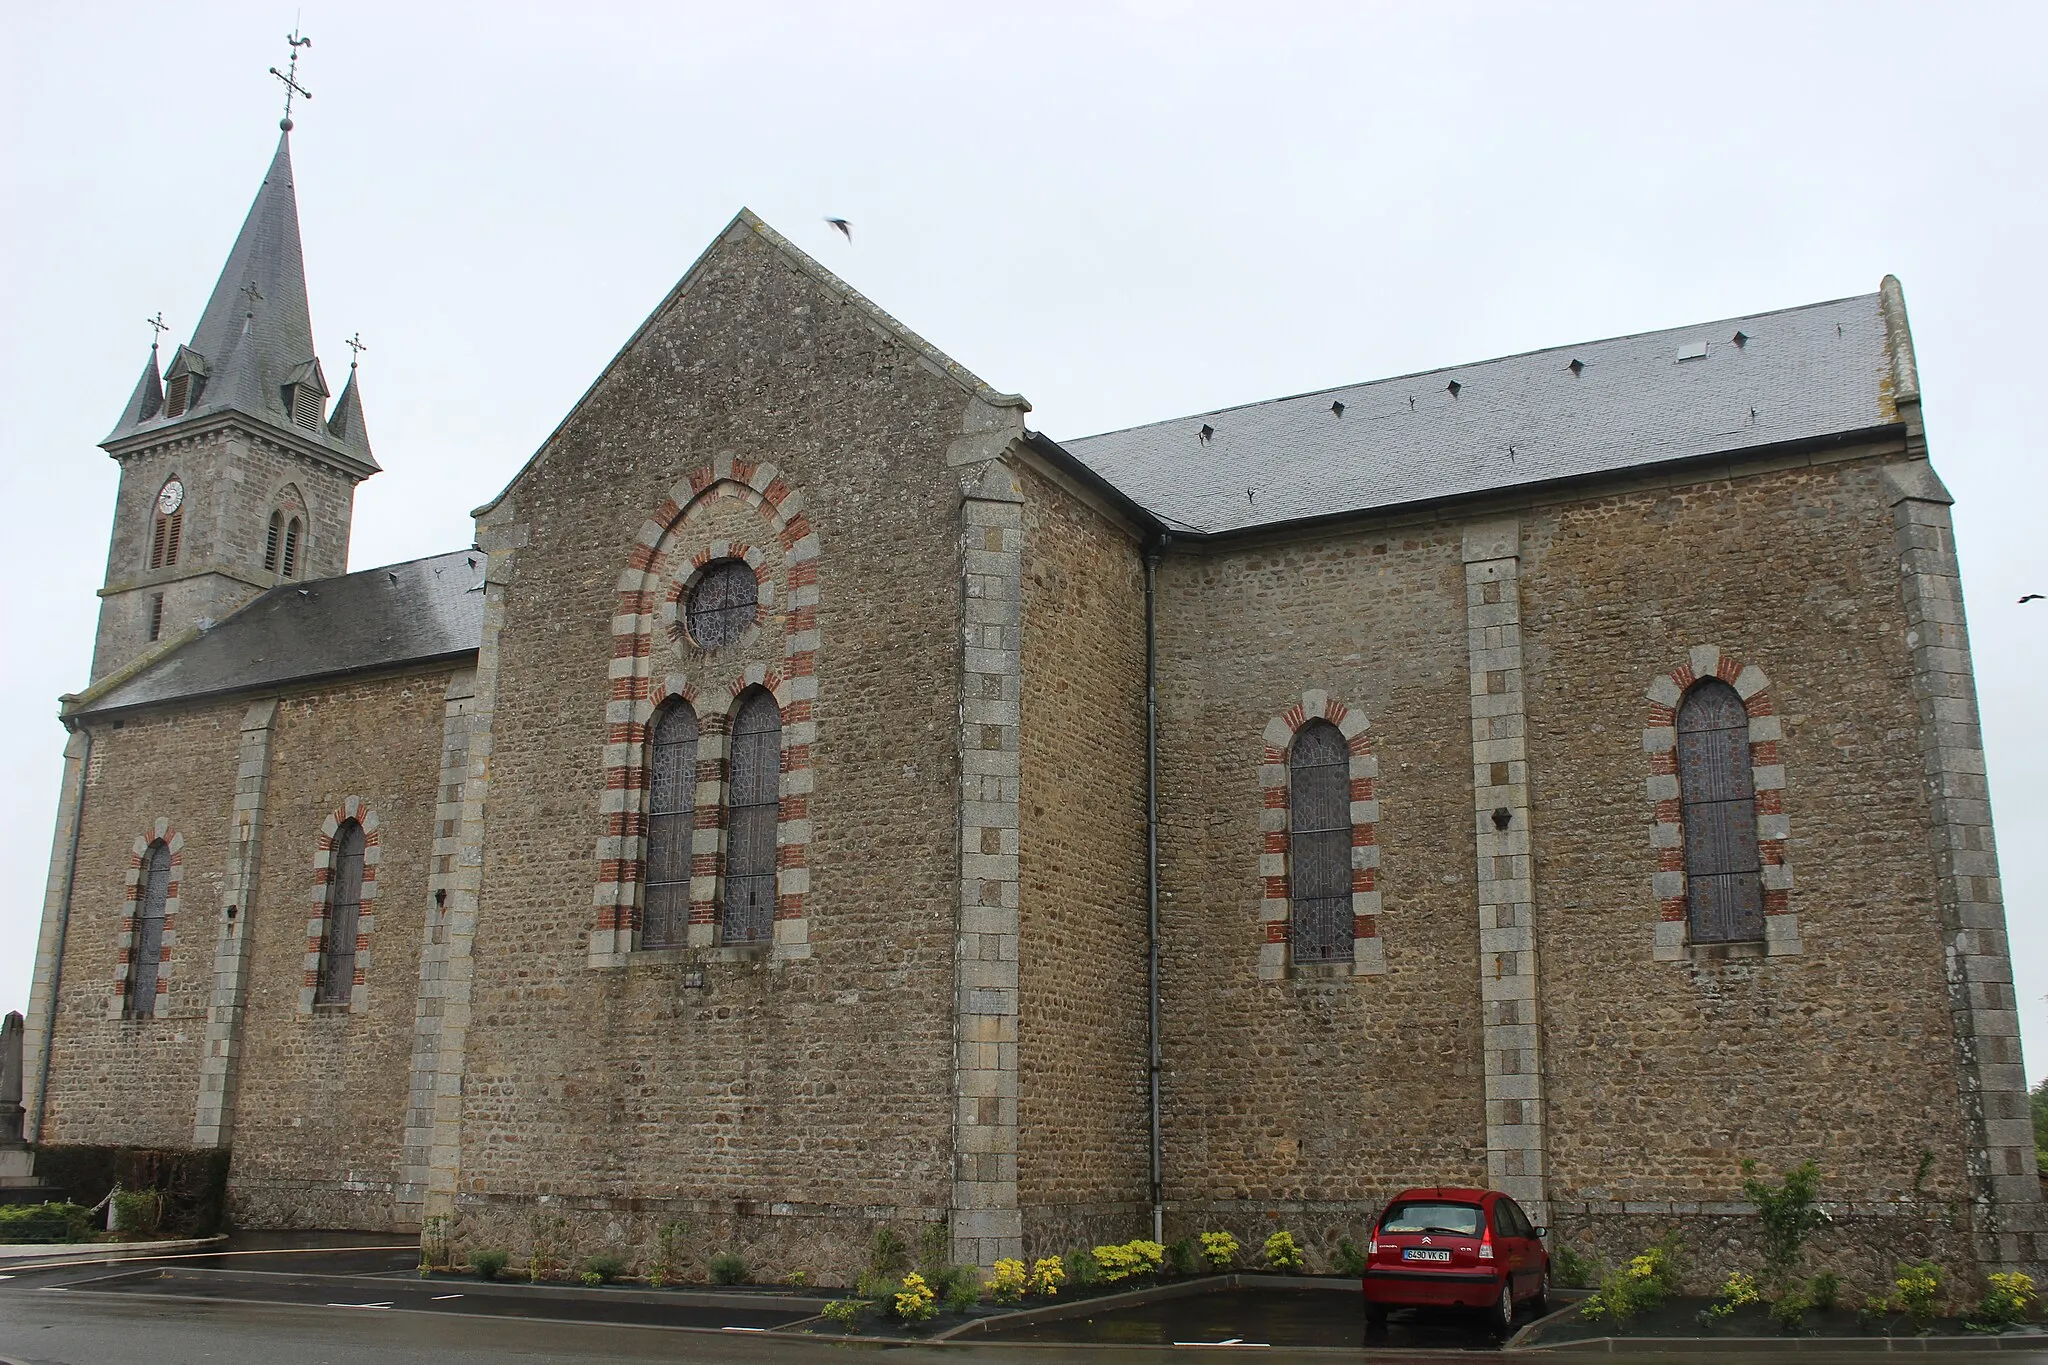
1234	1341
743	1329
439	1297
359	1305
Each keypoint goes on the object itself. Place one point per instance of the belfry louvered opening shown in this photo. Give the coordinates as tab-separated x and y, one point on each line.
1717	797
344	914
671	825
754	795
1319	843
145	955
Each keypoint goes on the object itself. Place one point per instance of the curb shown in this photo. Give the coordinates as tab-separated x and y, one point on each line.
34	1255
1131	1298
1762	1346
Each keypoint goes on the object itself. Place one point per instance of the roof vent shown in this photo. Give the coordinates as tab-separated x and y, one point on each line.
1577	367
1206	432
1452	388
1338	407
1696	350
1741	339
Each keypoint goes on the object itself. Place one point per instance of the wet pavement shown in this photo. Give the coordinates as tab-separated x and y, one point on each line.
1261	1317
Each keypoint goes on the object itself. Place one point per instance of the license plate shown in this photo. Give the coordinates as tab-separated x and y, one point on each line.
1424	1254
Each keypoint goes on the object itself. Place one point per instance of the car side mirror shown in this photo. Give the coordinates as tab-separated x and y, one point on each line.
1542	1232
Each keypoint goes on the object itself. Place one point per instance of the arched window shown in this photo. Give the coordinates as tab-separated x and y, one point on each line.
1717	795
671	818
273	541
146	955
1319	843
288	566
344	911
753	796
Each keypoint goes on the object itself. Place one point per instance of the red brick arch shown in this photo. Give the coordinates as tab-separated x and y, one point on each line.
1277	907
162	830
659	555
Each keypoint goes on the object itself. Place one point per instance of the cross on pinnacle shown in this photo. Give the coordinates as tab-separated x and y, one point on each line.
355	344
160	327
249	292
290	77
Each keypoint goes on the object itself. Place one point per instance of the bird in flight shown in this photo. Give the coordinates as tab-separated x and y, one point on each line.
845	228
2032	597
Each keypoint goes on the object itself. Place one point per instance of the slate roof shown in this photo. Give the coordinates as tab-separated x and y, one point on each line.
1801	373
412	612
256	334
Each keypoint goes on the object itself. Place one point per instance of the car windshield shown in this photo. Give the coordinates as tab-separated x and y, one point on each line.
1458	1218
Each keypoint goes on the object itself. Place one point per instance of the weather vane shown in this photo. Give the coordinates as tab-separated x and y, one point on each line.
290	77
159	327
355	344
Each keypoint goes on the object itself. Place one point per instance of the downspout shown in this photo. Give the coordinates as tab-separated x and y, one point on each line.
1153	551
35	1128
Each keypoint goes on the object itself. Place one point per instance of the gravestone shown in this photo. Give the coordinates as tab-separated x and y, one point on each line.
10	1082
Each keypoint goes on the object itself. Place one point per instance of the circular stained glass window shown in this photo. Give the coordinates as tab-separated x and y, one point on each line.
723	603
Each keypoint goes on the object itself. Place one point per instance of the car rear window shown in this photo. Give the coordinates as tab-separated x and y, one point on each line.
1459	1218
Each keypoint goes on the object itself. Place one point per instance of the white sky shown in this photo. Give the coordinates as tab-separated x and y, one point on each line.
1126	211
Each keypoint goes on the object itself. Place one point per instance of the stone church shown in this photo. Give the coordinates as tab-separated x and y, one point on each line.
819	799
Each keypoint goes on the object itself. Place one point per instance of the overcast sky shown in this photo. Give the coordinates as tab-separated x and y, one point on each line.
1124	211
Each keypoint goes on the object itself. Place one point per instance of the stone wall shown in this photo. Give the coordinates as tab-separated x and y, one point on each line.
790	1100
1663	1075
1083	1168
232	482
116	1081
1313	1093
321	1095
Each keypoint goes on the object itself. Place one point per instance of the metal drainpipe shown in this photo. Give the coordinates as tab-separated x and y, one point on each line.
35	1131
1153	551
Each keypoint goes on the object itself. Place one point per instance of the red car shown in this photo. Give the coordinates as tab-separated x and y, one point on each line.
1455	1247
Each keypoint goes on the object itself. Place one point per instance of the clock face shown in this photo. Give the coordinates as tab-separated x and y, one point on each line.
172	498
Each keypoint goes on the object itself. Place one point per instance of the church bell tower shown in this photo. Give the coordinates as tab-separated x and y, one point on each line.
237	470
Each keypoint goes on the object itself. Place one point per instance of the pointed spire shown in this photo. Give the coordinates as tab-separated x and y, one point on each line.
147	400
254	342
346	426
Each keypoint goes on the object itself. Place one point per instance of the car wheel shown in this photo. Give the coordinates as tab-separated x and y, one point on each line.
1541	1303
1504	1311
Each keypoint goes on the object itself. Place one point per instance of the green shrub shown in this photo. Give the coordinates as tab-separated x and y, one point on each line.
1181	1257
193	1183
436	1236
607	1266
1790	1308
877	1289
1825	1289
727	1268
2005	1302
1737	1291
847	1312
1281	1253
1140	1257
1790	1213
488	1262
915	1302
1349	1260
591	1279
888	1256
548	1254
1047	1274
1008	1283
55	1222
1917	1291
1571	1270
963	1295
666	1265
1219	1249
934	1251
1080	1267
140	1212
1637	1287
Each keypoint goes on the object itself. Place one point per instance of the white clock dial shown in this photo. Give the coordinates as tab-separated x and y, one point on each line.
172	498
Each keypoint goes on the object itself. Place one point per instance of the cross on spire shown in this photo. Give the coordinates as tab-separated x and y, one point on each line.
254	295
159	326
290	77
355	344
